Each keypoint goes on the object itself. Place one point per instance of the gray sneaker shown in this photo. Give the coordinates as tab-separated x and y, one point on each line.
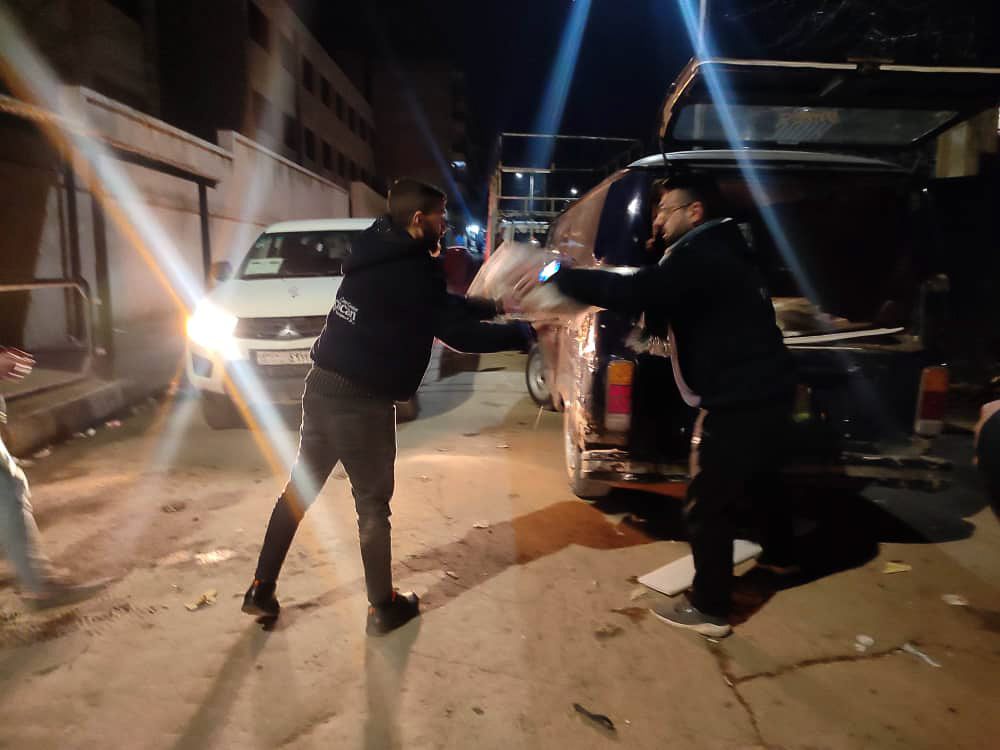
683	614
58	592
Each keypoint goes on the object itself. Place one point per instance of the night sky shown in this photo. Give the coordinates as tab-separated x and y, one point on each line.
631	51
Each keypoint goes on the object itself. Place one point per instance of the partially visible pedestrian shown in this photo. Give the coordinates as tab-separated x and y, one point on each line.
38	580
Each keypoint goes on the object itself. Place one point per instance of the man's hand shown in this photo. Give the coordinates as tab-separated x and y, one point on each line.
15	364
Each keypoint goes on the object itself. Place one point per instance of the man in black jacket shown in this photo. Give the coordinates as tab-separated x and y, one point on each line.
373	352
729	361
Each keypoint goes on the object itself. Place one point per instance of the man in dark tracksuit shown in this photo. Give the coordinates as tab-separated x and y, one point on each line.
729	360
373	352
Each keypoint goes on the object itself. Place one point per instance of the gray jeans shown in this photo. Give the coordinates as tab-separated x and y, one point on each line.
18	532
340	422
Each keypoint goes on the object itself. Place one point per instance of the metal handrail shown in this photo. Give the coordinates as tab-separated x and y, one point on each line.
83	289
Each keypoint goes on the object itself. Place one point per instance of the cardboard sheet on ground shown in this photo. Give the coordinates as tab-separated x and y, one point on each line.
675	577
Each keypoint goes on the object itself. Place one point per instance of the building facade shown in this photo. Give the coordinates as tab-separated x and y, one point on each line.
253	66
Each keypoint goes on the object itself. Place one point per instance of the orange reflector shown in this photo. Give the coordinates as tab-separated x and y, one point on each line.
620	372
934	379
618	400
932	400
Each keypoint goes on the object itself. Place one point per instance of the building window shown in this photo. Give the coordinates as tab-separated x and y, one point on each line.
324	90
352	119
371	135
307	75
341	165
354	170
363	129
291	132
327	157
262	112
310	144
340	106
259	25
287	54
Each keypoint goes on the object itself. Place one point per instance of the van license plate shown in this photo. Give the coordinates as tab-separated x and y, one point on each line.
284	357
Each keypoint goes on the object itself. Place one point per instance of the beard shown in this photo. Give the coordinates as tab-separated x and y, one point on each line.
657	246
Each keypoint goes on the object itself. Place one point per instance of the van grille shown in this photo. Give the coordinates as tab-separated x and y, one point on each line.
280	329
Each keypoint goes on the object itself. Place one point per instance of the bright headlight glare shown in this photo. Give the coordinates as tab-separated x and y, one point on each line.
212	328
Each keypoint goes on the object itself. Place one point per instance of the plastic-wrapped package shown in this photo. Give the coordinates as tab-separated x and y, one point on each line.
508	264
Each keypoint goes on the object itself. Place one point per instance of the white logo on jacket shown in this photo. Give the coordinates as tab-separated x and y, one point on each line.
345	310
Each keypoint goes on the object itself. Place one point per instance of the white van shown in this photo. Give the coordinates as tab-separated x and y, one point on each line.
259	323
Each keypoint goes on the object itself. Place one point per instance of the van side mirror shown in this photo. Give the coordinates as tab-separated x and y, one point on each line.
220	270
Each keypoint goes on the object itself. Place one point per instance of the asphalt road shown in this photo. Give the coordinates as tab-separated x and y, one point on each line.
530	604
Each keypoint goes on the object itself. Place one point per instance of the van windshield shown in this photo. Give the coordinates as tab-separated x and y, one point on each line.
296	254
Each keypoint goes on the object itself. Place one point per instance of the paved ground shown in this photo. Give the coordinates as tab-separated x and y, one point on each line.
520	620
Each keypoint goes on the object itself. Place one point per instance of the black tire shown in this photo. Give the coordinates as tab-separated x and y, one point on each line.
534	378
220	412
586	489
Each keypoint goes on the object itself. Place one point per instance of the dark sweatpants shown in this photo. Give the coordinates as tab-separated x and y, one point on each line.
340	423
735	457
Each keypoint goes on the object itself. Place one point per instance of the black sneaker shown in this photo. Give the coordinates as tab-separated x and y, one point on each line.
260	600
402	608
685	615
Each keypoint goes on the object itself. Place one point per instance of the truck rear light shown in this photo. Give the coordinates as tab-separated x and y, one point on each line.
618	401
931	400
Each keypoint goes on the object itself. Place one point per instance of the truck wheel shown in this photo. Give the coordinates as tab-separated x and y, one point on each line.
534	376
587	489
220	412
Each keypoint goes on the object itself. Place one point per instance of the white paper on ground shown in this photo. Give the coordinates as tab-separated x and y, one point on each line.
675	577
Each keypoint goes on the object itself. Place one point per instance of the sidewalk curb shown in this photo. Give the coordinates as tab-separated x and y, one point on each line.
35	422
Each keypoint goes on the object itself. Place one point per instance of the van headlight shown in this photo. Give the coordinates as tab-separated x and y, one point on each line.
212	328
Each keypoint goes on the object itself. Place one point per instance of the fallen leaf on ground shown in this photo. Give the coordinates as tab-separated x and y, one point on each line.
174	507
608	631
205	600
894	566
955	600
451	574
481	525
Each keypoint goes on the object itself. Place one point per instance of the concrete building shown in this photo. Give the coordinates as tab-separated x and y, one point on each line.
252	66
108	46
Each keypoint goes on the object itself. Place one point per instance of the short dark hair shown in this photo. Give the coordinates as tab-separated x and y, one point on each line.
698	187
407	196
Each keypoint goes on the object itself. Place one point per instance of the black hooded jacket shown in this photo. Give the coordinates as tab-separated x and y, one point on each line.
729	349
390	306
